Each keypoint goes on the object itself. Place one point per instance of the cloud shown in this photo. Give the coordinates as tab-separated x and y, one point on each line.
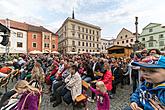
110	15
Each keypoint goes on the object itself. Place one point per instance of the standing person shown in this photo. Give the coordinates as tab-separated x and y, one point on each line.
107	77
135	72
103	101
151	94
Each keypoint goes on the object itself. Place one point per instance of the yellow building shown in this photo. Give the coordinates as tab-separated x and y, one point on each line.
77	36
125	38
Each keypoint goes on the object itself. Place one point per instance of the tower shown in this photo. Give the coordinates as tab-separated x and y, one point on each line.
73	14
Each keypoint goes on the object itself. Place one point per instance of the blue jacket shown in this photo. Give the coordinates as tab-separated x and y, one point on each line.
147	91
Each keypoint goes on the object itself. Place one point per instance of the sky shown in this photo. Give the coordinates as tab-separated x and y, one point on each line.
110	15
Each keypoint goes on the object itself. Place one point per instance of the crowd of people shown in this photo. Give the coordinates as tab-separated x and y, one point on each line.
63	75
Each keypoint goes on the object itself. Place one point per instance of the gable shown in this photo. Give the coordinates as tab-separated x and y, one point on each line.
151	25
124	32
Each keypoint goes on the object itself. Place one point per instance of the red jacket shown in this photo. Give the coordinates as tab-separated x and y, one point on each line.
107	79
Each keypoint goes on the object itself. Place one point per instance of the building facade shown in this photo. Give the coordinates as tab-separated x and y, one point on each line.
77	36
106	44
125	38
25	38
153	36
18	37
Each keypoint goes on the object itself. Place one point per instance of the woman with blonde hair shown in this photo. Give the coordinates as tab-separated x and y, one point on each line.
103	101
22	96
30	98
38	75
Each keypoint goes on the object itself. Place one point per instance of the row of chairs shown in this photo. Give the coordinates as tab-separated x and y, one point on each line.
4	81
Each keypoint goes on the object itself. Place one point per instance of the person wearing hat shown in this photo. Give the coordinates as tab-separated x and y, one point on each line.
151	93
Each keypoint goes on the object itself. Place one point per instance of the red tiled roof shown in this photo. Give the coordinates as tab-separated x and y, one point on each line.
15	24
25	26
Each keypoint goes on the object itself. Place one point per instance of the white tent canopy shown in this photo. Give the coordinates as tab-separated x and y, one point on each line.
35	52
55	52
71	52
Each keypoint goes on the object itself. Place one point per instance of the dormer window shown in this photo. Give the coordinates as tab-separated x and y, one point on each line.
150	30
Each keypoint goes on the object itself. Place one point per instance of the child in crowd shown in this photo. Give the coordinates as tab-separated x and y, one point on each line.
102	97
151	94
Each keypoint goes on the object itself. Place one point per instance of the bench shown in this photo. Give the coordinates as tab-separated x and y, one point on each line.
82	98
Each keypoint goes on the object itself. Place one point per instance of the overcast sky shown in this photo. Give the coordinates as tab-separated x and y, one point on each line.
110	15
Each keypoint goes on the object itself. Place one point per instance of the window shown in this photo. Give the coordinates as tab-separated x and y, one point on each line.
90	31
34	36
93	38
82	43
90	44
97	32
160	36
79	50
34	44
87	37
93	50
73	43
86	50
86	30
150	30
161	43
87	44
151	44
78	35
151	38
122	42
143	39
90	37
46	45
117	42
126	41
48	37
131	40
82	29
97	45
19	44
78	28
93	32
82	49
53	46
125	36
73	26
44	36
82	36
121	37
90	50
97	39
20	34
93	45
79	43
73	34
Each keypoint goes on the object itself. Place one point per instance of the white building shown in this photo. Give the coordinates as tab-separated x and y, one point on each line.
125	38
78	36
18	37
105	43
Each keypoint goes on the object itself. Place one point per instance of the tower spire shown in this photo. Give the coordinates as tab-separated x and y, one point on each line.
73	14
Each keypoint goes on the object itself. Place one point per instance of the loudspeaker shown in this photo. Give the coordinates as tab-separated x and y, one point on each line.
5	40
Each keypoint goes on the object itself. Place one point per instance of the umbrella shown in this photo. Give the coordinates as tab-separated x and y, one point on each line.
71	52
35	52
55	52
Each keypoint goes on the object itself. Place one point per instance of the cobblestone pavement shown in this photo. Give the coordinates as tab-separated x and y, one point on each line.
121	100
